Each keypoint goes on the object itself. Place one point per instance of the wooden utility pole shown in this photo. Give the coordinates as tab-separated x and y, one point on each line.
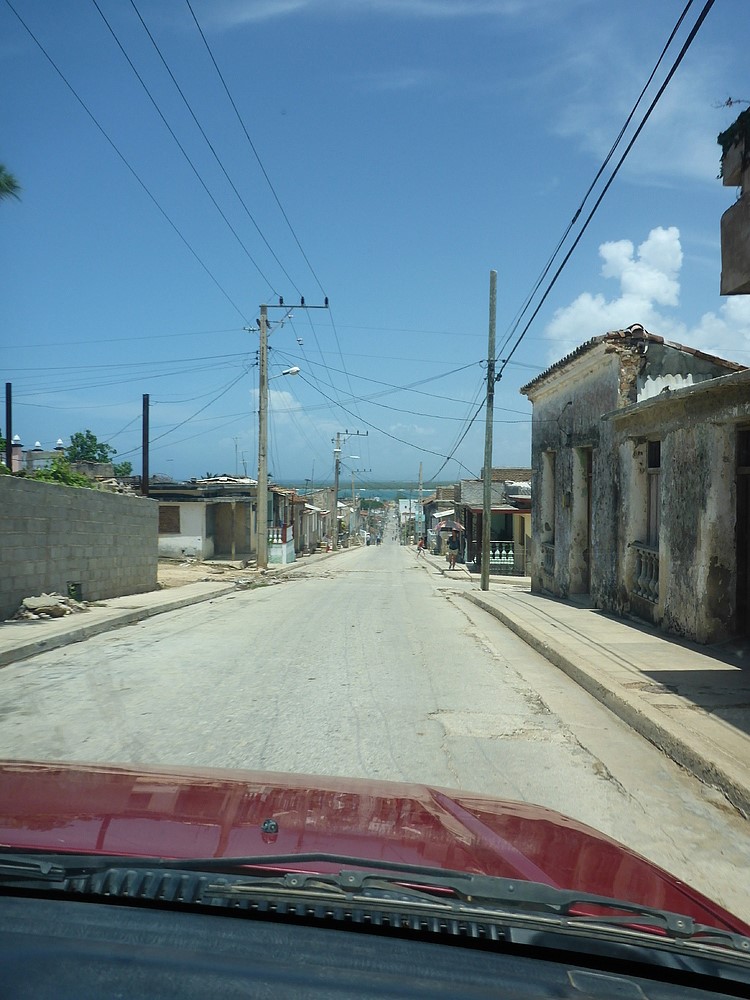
262	487
335	504
420	519
336	473
487	471
9	426
145	474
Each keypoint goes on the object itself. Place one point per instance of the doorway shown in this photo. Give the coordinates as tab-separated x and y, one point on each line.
743	532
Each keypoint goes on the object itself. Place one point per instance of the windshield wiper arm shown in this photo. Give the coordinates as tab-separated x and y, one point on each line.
36	869
377	884
462	894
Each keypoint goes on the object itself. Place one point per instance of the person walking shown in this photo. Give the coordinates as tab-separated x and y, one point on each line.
453	550
420	548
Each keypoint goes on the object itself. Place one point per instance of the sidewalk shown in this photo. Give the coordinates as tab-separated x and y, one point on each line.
19	640
691	701
22	639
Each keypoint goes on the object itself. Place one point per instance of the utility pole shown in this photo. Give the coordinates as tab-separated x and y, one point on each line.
336	472
420	520
262	488
487	471
335	504
9	426
144	447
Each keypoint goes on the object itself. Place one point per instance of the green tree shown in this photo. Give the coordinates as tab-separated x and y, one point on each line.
61	472
123	468
85	447
9	186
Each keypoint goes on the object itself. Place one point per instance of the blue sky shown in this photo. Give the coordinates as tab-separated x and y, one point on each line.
391	153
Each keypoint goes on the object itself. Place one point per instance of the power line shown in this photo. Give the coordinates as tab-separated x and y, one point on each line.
182	423
123	340
123	158
181	147
592	185
686	45
212	148
252	146
380	430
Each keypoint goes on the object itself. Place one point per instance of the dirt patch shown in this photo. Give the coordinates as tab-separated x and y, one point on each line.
179	574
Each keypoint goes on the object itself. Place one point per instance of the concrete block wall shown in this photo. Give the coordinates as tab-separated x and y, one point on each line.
52	535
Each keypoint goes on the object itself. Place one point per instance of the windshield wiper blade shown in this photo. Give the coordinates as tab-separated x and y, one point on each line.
376	884
24	868
477	896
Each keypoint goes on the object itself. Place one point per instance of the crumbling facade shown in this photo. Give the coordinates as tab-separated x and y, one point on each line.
638	484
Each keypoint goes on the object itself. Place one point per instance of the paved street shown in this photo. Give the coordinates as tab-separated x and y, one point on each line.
369	664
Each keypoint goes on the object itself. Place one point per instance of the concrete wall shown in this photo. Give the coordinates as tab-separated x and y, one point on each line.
698	542
54	535
591	406
567	421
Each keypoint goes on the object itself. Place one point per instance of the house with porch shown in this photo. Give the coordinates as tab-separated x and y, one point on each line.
216	518
510	528
641	466
213	518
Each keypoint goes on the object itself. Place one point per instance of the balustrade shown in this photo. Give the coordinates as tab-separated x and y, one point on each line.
280	534
646	582
548	558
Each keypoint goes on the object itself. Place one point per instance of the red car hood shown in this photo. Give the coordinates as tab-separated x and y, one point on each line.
202	813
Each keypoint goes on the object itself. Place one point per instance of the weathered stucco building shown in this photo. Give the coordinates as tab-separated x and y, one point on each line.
640	453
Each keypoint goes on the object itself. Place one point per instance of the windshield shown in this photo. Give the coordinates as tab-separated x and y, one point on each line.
377	410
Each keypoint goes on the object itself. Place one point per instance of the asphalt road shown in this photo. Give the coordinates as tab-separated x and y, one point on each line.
369	664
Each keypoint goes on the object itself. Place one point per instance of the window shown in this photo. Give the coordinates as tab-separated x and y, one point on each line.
548	497
169	520
654	493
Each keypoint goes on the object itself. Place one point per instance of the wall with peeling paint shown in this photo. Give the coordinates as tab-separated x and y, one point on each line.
603	398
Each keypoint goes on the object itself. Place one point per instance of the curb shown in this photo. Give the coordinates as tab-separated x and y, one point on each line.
115	619
698	756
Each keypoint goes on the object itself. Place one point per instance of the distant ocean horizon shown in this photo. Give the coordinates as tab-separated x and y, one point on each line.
389	490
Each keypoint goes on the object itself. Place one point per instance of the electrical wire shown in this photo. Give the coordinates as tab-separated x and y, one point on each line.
253	148
124	160
181	147
122	340
212	148
380	430
529	298
182	423
681	55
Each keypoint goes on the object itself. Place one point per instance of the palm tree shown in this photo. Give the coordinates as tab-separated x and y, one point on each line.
9	186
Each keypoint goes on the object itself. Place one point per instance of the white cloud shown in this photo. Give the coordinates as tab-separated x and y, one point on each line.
231	13
398	79
595	87
649	285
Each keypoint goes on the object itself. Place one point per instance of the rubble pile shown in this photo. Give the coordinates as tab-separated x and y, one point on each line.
47	606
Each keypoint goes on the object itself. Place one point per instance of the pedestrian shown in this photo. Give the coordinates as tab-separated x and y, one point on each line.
453	550
420	547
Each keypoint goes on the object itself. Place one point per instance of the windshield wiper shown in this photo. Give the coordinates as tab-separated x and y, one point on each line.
377	886
476	896
24	868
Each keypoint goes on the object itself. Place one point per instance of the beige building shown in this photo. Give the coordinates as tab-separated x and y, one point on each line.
641	500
